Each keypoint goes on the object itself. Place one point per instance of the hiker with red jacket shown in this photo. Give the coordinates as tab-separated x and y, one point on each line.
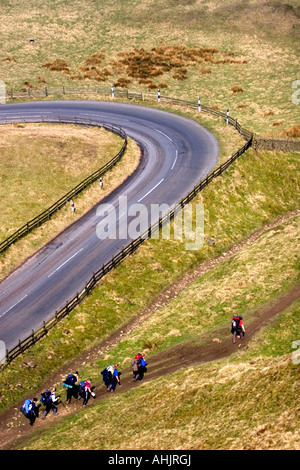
237	327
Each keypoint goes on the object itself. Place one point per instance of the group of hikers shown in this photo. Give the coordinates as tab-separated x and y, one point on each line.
80	390
111	377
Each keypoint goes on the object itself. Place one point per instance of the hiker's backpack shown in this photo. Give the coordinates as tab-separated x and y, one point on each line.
27	406
235	324
70	381
143	362
81	387
110	369
107	371
45	397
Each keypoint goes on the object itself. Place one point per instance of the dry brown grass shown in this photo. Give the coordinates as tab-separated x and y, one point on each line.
143	65
28	85
204	71
292	133
9	59
41	80
57	65
95	59
122	82
236	89
92	72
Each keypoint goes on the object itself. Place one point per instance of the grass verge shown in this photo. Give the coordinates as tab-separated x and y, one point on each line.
31	185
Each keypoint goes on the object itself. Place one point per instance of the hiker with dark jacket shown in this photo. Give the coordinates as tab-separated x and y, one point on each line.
107	374
115	378
237	327
30	410
142	367
71	385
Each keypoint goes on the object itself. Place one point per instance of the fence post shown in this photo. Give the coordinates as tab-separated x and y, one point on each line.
227	117
112	91
158	95
199	104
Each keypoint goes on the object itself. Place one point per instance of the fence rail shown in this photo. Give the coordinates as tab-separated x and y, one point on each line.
48	213
132	247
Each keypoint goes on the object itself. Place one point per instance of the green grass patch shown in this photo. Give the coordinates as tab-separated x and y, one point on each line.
257	274
41	163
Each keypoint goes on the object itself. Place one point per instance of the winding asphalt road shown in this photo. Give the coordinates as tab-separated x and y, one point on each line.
176	154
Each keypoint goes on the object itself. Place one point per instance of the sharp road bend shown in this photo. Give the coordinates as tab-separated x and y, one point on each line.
176	154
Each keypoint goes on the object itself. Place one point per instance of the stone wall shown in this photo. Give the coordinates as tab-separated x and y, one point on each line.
283	145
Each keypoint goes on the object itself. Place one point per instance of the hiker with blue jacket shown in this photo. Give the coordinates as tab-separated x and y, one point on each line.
115	378
29	410
142	367
111	377
139	366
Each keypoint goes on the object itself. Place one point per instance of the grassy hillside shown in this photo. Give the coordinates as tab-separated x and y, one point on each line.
242	55
201	313
230	403
31	185
64	156
193	409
